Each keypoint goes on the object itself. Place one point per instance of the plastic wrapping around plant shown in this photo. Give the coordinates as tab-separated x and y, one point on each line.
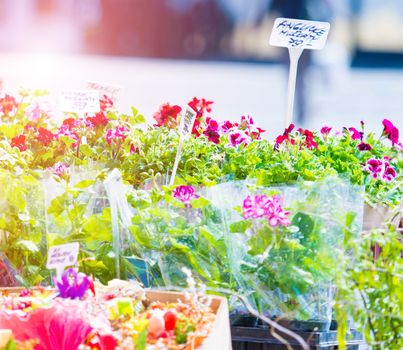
178	228
283	244
23	243
78	210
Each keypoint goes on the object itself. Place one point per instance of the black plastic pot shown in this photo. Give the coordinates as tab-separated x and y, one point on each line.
258	338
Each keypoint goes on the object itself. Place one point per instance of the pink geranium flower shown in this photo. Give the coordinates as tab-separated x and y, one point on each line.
185	194
255	206
60	169
391	131
275	214
262	206
119	134
380	169
238	138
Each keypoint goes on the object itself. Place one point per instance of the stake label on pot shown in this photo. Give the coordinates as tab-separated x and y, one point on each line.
60	256
79	101
187	121
112	91
297	33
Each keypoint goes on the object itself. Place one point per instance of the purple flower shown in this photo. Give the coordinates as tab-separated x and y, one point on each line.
73	285
185	194
380	169
227	126
355	134
259	206
364	146
212	131
238	138
60	169
325	130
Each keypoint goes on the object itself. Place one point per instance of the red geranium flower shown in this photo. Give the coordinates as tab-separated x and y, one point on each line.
19	142
45	136
99	119
285	136
8	105
105	103
167	115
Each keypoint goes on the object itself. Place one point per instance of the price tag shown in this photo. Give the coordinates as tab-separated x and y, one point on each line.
61	256
297	33
185	129
187	121
112	91
79	101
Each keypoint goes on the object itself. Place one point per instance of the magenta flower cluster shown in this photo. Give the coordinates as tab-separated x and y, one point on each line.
241	133
270	208
185	194
119	133
380	169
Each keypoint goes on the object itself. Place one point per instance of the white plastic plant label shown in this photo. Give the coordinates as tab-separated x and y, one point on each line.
79	101
61	256
297	33
112	91
187	122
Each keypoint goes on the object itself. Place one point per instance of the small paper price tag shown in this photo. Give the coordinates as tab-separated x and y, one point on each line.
297	33
187	122
112	91
79	101
60	256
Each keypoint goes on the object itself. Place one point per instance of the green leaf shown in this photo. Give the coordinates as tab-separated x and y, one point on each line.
28	245
141	340
240	226
84	184
199	203
11	345
304	222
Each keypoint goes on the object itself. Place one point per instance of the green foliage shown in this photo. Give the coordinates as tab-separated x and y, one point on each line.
370	290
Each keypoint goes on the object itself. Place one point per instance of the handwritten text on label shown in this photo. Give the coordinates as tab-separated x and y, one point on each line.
295	33
79	101
62	255
112	91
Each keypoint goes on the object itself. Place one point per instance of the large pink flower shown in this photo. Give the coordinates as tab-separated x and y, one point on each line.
391	131
255	206
275	214
185	194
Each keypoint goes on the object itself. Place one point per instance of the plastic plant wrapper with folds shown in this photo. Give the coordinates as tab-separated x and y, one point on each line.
287	267
22	229
173	233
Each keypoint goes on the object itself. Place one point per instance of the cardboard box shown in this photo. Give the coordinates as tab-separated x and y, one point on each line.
220	335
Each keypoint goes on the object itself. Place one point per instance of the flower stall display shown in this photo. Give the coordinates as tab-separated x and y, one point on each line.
245	213
81	315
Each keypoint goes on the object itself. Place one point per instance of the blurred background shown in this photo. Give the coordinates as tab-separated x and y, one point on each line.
171	50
